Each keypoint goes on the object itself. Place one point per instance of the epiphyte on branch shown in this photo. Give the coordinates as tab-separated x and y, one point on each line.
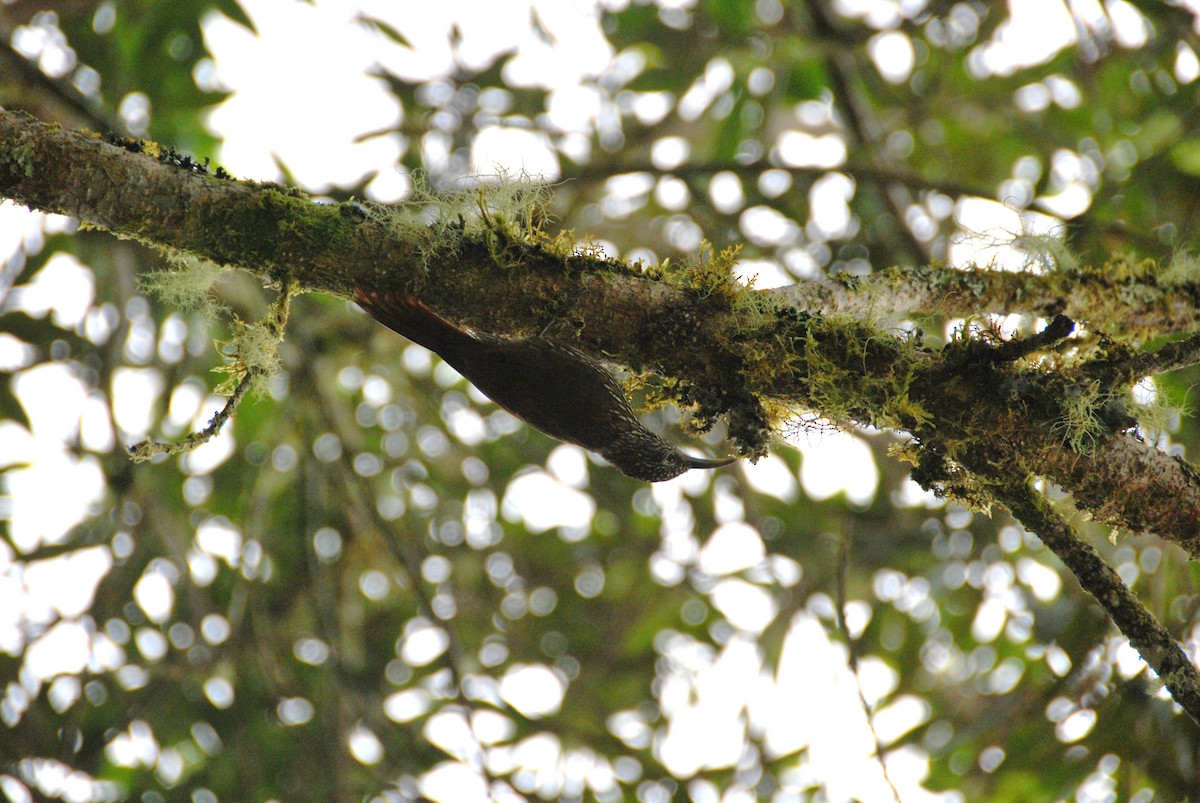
550	386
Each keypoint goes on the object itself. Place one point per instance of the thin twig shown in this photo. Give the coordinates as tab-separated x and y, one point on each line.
843	572
276	321
1175	355
1157	647
147	449
1012	350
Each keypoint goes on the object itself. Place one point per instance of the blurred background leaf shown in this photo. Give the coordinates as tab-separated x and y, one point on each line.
317	605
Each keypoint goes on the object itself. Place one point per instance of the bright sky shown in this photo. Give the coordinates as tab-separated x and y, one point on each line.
309	108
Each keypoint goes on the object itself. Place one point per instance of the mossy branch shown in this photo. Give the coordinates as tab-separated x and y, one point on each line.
148	449
1147	635
978	408
1122	299
253	357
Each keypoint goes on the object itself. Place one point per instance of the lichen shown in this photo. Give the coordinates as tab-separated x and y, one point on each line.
187	285
252	348
1046	252
506	213
1183	268
1081	425
1156	415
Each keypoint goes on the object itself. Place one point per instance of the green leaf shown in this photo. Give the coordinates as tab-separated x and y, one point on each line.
386	29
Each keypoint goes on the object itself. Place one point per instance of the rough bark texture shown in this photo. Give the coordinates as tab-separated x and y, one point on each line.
1127	299
1152	641
980	415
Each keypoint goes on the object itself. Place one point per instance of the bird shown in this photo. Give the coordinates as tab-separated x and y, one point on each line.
552	387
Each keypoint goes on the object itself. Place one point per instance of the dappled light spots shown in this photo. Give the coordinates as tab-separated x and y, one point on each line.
1075	725
364	745
892	52
534	690
494	652
407	705
311	651
838	462
327	544
62	649
772	476
765	226
134	746
744	605
214	628
135	391
154	594
327	447
219	692
45	594
542	502
151	644
589	583
293	711
731	548
422	643
451	781
463	421
220	539
374	584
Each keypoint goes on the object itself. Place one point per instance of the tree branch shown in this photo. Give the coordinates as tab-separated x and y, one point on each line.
1118	306
1171	357
862	129
749	358
1159	649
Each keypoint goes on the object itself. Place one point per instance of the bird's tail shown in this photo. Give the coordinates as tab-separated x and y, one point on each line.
406	315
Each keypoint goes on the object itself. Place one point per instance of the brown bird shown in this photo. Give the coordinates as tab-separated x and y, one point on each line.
553	388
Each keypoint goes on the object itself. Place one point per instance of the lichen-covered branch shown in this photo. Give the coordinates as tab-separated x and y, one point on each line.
1133	486
254	358
267	229
1123	298
1145	633
981	410
148	449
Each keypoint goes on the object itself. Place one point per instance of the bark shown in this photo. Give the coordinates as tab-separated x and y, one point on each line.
980	412
1147	635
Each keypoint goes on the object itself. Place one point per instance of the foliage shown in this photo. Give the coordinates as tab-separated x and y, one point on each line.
342	597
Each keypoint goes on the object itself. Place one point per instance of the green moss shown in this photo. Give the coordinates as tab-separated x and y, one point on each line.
945	478
236	235
23	157
705	273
